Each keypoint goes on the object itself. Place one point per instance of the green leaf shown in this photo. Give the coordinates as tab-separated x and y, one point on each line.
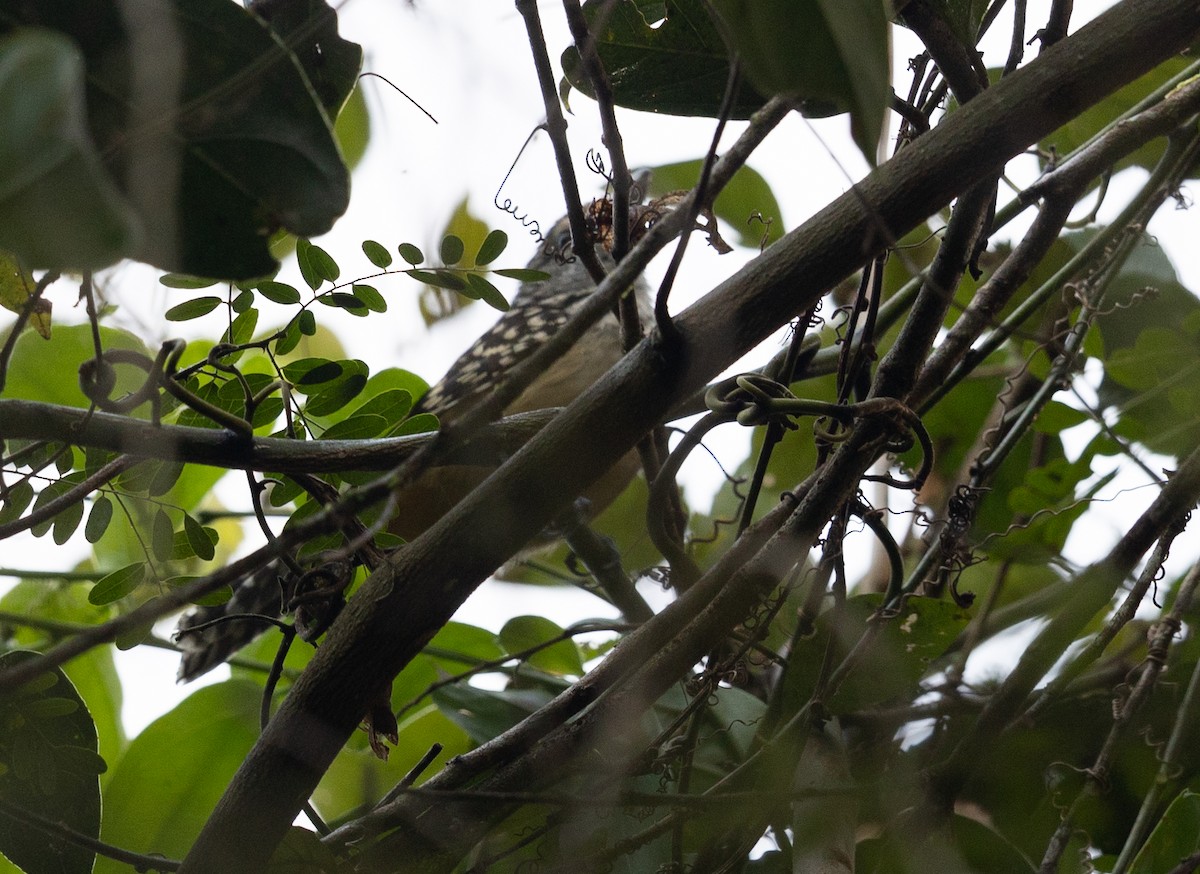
484	715
377	254
747	202
312	371
1056	417
370	297
492	248
279	292
834	54
963	16
487	292
66	522
63	209
679	67
356	427
345	301
52	492
393	405
469	643
204	739
301	852
307	322
410	253
241	331
162	536
15	501
964	844
323	264
523	275
332	399
203	546
452	250
183	280
1176	837
304	261
50	768
446	279
192	309
899	654
98	519
243	302
17	286
164	479
254	150
418	424
118	584
310	31
291	336
525	632
1102	115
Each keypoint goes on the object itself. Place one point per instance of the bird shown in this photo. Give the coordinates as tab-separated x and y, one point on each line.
537	312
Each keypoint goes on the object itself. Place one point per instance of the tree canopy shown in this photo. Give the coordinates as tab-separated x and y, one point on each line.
981	347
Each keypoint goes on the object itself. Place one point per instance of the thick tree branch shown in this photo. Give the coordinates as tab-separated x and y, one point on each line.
401	606
29	420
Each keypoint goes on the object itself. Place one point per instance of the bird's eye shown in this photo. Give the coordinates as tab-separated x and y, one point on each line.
558	246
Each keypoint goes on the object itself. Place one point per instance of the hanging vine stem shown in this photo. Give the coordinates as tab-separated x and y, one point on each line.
753	399
785	374
756	400
1185	722
1152	571
97	381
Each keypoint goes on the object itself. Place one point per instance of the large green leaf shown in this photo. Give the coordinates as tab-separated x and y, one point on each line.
962	844
485	715
357	778
831	54
899	654
1101	115
62	210
237	135
48	370
1176	837
747	195
526	632
93	674
173	773
678	67
49	767
309	29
